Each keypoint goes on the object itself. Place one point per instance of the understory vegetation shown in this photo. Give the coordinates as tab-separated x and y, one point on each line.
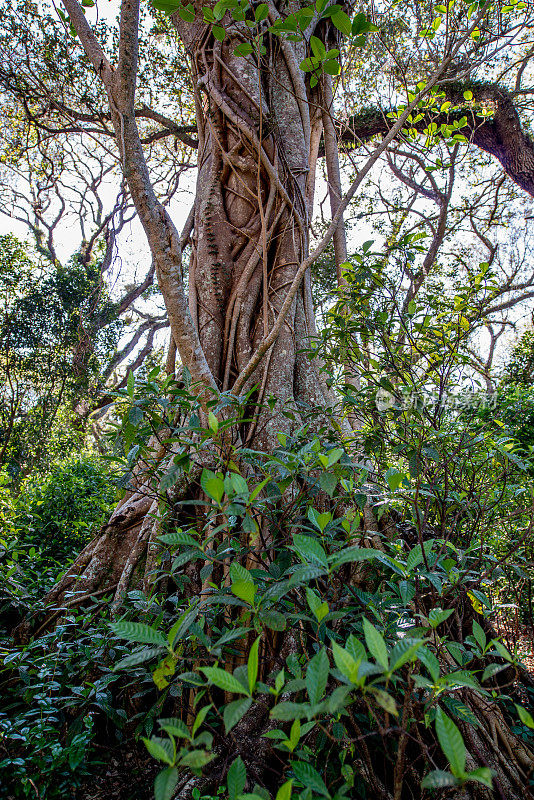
266	481
372	556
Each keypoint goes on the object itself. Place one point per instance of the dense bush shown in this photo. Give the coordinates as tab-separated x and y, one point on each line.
57	323
56	692
52	687
67	508
366	631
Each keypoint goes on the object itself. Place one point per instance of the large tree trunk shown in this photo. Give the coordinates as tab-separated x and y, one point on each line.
257	154
253	202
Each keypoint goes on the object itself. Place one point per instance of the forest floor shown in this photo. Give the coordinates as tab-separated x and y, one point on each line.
123	775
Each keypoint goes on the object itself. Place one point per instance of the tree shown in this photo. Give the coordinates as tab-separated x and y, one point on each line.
63	185
261	78
50	353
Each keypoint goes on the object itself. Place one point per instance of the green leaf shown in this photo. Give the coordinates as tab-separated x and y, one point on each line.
196	759
394	478
386	701
360	24
481	775
157	750
219	33
415	557
273	620
181	626
405	650
317	676
244	49
468	95
236	778
331	67
462	677
240	573
239	484
245	590
318	608
478	633
309	777
219	9
165	784
252	665
310	549
335	454
165	669
501	650
199	719
350	554
430	661
187	13
138	632
175	727
327	481
460	710
342	22
167	6
355	648
261	12
288	710
451	742
213	422
304	573
436	616
525	717
375	643
294	736
224	680
317	46
179	537
138	657
345	663
280	680
135	415
284	792
211	483
235	711
319	520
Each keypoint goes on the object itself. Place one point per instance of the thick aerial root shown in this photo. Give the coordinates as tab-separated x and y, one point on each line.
492	744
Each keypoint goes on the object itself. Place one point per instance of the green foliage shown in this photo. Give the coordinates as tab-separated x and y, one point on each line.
57	699
52	337
67	508
375	613
519	369
292	26
44	526
374	616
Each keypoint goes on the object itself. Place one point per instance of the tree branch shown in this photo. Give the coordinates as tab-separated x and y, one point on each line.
501	135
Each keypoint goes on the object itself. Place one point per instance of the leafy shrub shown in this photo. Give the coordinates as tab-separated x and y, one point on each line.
298	626
514	408
68	507
54	693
